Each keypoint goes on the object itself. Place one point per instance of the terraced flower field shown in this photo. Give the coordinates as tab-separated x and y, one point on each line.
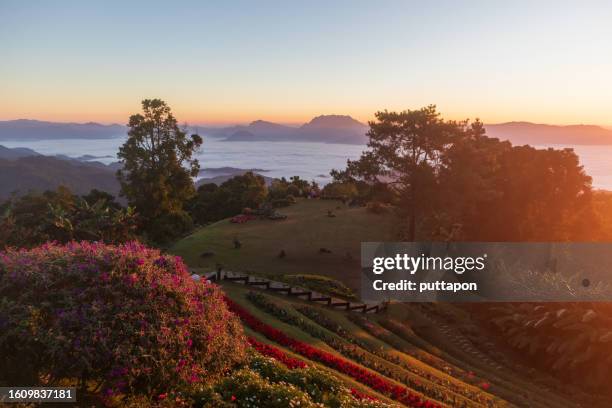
396	357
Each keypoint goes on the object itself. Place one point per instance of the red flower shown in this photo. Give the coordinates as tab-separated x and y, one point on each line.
277	354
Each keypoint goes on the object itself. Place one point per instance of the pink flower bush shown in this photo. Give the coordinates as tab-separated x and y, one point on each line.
126	318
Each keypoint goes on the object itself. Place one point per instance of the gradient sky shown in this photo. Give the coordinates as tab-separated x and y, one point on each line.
287	61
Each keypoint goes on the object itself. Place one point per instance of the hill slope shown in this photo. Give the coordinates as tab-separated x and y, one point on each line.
436	351
40	173
306	230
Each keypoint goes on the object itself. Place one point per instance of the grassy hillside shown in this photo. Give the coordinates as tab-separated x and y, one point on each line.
435	351
307	229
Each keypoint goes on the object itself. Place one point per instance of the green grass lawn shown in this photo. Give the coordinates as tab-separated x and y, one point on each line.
306	229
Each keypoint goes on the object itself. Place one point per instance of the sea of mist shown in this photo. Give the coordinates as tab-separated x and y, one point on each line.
311	161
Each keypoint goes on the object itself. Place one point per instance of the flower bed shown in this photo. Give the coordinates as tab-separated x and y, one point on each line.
376	382
357	351
389	338
276	353
386	336
267	383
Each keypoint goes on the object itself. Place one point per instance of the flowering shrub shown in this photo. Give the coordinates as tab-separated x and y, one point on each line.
321	385
123	318
246	388
374	381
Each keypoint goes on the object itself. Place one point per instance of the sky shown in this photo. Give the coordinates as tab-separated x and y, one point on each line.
222	62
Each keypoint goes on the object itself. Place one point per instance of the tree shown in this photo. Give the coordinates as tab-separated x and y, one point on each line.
449	180
157	170
406	149
213	203
60	216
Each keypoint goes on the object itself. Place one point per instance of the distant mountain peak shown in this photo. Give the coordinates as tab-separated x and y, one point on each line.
263	124
334	121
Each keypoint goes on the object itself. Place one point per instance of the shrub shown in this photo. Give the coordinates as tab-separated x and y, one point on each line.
247	388
321	385
124	318
293	190
340	190
169	226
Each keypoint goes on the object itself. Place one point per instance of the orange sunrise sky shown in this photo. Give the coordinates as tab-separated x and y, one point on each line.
548	62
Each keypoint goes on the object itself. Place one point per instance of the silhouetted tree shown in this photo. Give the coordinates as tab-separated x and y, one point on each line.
449	179
404	151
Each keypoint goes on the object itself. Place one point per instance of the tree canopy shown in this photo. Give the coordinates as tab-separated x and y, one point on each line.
158	166
448	176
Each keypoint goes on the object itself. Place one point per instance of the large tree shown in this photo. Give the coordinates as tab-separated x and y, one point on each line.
450	181
157	169
404	152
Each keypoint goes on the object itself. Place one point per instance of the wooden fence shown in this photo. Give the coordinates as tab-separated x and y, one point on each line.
299	292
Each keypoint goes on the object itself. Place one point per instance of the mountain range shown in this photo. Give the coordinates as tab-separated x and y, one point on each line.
27	129
23	170
346	130
521	133
323	129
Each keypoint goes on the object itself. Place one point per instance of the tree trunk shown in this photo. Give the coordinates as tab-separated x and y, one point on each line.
412	226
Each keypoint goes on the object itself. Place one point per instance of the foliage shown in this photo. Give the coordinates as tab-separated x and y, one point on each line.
540	194
321	386
213	203
265	382
295	186
450	181
247	388
407	147
123	318
570	338
345	190
157	169
60	216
